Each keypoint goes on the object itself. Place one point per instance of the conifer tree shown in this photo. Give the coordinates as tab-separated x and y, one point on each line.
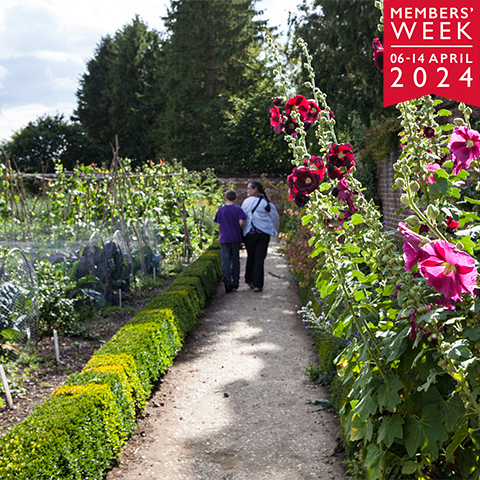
121	92
211	57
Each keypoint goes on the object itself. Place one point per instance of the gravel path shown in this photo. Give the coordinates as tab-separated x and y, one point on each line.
234	404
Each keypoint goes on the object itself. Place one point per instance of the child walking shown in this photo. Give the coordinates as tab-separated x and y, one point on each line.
230	219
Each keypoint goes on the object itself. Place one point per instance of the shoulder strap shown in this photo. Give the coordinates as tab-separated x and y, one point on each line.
258	203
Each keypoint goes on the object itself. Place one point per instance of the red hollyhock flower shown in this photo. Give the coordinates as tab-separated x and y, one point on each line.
290	126
297	104
276	119
300	199
378	53
312	113
451	225
303	180
428	132
339	160
343	193
316	163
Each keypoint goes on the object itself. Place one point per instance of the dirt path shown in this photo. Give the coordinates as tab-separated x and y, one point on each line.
233	406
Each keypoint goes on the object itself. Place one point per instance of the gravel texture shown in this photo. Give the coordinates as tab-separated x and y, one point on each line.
234	404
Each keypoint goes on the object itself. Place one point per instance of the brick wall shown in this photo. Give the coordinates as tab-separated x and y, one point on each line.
274	185
390	198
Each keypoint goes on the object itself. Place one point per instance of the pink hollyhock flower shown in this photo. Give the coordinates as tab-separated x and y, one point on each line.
464	145
412	252
339	160
448	270
299	104
378	53
432	167
276	119
342	192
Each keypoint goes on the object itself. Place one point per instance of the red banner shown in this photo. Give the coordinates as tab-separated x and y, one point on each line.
431	47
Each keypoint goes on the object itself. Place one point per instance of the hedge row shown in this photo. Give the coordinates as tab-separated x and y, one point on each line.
77	432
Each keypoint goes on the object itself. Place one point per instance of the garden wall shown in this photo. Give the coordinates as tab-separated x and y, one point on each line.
275	186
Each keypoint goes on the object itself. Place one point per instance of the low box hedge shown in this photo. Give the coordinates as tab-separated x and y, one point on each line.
77	432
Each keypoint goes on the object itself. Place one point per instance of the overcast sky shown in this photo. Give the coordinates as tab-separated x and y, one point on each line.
45	44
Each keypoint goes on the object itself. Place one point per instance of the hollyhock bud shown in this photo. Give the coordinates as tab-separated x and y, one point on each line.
378	53
414	187
432	212
404	199
400	183
412	221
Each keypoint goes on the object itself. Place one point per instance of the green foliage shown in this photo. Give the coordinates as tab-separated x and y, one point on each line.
339	36
408	386
82	428
71	436
121	92
57	311
208	65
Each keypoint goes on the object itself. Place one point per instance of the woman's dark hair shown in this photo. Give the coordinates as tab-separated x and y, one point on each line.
261	191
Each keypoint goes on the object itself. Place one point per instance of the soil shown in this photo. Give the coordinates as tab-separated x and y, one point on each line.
40	375
236	404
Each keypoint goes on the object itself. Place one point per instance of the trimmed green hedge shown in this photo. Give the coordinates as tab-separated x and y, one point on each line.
77	432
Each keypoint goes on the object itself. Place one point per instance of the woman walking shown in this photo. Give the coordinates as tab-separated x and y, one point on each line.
262	221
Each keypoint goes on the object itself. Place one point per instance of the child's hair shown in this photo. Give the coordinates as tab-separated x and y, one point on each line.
261	191
231	195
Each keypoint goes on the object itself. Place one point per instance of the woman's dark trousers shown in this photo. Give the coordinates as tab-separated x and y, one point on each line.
257	246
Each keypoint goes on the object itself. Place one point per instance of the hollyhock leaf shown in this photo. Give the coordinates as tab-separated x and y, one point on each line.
359	295
453	409
458	350
356	219
444	113
388	396
390	429
425	433
440	187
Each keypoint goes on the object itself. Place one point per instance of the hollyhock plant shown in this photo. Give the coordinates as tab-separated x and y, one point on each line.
343	193
299	104
290	126
312	113
317	163
412	252
448	270
451	225
339	160
378	53
464	146
276	120
304	180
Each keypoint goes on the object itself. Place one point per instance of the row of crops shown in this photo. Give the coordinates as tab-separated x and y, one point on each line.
73	241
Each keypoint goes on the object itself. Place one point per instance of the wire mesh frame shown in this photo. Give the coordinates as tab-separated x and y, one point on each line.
19	307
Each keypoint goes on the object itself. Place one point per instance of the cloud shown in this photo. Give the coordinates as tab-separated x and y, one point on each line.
4	73
13	119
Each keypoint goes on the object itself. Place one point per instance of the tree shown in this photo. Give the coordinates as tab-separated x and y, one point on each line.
210	58
35	146
121	92
339	35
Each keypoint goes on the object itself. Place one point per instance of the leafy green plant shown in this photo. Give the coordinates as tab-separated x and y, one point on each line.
57	310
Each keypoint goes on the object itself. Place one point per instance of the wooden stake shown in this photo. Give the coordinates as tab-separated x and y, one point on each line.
55	341
6	387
